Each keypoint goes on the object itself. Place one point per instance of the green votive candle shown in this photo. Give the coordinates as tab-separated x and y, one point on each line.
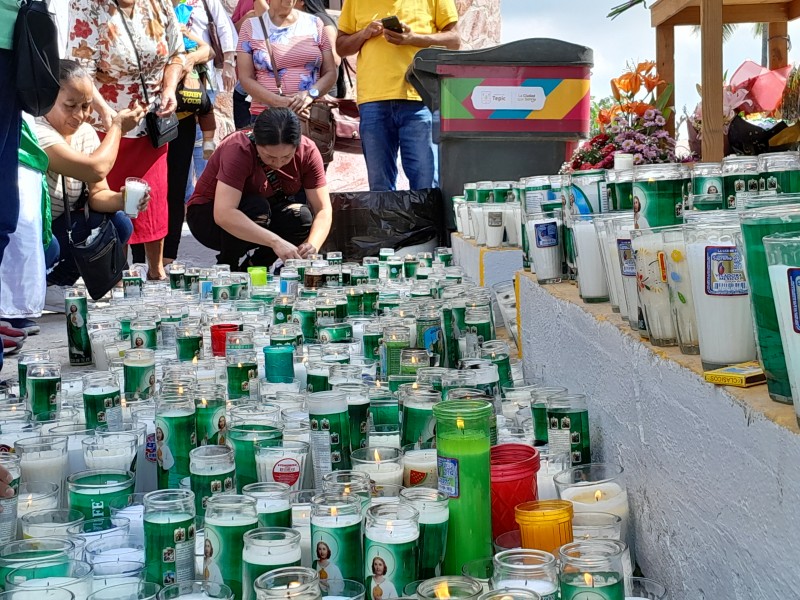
395	340
90	492
411	359
463	447
176	436
278	363
242	438
592	570
242	367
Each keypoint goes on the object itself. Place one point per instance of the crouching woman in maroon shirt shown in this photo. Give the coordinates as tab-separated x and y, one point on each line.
263	191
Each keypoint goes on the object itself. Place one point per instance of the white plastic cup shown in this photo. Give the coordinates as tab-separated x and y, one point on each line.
135	190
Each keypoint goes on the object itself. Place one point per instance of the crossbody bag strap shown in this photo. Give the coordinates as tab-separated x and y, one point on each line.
65	200
208	13
135	52
275	69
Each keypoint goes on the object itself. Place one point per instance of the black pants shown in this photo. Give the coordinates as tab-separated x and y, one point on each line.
241	110
291	220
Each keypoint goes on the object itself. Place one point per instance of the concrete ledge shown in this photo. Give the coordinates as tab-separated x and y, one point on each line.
713	472
486	266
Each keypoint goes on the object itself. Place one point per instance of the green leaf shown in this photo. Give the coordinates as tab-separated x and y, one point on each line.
682	298
621	8
664	98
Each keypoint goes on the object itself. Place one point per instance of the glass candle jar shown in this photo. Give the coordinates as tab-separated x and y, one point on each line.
463	588
58	572
418	424
279	362
91	491
658	194
739	179
383	465
330	428
102	402
210	416
43	387
527	569
390	549
265	550
434	516
395	339
107	450
463	444
79	346
169	527
39	522
289	583
720	290
592	281
651	275
336	538
596	487
592	568
175	437
568	417
138	590
243	438
144	334
545	524
284	463
272	503
756	224
227	519
681	299
8	506
211	471
139	369
196	590
43	459
242	366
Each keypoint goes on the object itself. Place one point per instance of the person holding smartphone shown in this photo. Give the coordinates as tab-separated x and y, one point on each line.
386	35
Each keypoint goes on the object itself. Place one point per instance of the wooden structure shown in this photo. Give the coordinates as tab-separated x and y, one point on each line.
710	15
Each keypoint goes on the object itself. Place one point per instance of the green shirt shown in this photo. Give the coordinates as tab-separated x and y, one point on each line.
8	16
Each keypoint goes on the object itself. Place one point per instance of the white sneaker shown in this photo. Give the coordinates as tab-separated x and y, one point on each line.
54	299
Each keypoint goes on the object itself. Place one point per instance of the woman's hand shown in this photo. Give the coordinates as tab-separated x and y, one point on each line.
6	491
106	114
285	250
300	103
142	203
305	249
228	77
168	103
128	119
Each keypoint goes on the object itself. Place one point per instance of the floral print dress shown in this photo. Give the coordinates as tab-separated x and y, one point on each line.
298	50
99	42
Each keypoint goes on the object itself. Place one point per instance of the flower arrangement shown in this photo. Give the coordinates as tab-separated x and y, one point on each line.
635	124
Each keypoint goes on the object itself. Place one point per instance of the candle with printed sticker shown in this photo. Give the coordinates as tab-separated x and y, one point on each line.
336	538
391	540
212	471
284	463
90	492
228	518
169	527
175	437
434	515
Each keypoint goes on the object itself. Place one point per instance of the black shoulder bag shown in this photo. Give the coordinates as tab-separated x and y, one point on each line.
161	130
101	261
36	58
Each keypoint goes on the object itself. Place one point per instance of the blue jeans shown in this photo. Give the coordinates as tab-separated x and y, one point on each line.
66	271
405	125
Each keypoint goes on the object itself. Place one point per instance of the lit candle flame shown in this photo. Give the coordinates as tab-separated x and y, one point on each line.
346	491
389	527
377	456
460	423
588	579
598	495
294	584
413	360
205	403
442	591
194	361
180	390
334	511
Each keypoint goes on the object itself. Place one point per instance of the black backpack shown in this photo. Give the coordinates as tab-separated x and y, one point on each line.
36	57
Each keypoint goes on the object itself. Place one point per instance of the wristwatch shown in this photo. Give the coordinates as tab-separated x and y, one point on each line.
313	93
231	63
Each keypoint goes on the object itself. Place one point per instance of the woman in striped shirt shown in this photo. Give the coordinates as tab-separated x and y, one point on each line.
302	53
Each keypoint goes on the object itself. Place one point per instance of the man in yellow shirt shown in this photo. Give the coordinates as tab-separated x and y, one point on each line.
393	116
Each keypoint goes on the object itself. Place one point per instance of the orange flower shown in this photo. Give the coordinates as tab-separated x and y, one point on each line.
644	68
651	82
628	83
615	90
639	108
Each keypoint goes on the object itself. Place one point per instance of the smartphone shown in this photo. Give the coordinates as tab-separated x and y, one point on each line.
392	24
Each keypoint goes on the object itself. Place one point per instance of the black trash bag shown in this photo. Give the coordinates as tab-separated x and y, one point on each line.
751	140
365	222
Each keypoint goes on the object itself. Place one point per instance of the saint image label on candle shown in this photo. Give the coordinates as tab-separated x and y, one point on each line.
80	348
568	432
175	438
336	548
169	548
419	424
224	541
239	376
43	393
211	421
144	336
358	414
329	439
140	377
189	347
102	405
389	565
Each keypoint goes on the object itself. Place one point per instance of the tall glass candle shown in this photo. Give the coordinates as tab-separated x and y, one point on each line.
26	358
169	528
43	387
463	444
210	418
301	521
272	503
102	404
139	367
243	438
391	540
651	273
336	539
175	438
592	569
76	308
267	549
212	471
568	417
591	275
43	459
284	463
242	367
228	518
434	515
395	339
330	432
721	295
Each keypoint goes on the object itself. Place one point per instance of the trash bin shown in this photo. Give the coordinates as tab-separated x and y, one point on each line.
506	112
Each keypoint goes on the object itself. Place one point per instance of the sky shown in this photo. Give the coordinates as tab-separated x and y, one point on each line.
629	38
